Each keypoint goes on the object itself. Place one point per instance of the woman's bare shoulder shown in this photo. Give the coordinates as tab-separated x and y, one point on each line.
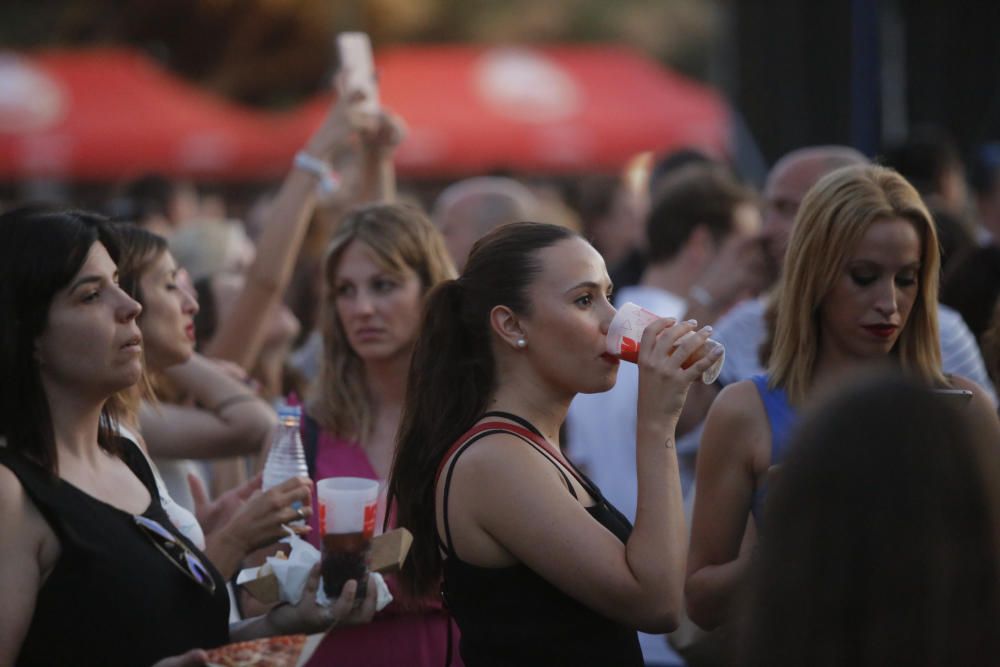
20	517
739	404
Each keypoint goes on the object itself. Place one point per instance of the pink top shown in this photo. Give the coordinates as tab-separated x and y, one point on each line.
396	636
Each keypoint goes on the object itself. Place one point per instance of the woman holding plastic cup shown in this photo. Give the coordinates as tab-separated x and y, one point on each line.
625	332
859	287
538	568
379	266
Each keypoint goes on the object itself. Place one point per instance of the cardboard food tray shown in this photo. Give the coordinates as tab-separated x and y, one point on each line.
389	550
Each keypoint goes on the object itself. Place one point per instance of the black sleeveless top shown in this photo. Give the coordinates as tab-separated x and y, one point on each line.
113	598
511	616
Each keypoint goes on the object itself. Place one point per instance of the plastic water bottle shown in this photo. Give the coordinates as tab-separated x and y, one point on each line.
286	459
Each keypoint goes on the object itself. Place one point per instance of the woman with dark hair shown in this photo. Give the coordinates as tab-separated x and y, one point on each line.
882	537
538	569
86	549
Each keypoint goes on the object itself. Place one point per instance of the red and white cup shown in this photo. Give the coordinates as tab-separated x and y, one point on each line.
347	515
626	329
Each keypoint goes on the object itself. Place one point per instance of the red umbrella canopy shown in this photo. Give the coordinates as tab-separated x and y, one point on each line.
107	114
559	109
110	114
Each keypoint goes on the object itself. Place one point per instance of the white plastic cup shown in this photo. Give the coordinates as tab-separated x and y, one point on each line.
625	333
347	505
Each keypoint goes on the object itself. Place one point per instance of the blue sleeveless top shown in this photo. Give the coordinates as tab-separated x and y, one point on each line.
782	417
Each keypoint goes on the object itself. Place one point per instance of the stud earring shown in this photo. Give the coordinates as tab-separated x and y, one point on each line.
521	343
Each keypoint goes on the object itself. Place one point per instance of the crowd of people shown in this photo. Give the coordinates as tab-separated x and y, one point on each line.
831	499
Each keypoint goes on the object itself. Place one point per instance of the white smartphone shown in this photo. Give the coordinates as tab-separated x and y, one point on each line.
956	396
357	69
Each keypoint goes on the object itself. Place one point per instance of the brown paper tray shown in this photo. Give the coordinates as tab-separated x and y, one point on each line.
389	550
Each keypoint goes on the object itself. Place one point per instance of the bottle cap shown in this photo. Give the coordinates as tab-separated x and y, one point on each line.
290	411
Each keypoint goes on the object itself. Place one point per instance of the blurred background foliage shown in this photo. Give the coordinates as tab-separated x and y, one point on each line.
274	53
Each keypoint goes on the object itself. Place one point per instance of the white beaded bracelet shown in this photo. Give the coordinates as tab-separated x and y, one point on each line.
328	181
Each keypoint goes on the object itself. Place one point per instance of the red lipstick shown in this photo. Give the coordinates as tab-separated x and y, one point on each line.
881	330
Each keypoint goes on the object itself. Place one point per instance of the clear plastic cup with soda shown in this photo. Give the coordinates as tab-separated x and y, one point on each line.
625	332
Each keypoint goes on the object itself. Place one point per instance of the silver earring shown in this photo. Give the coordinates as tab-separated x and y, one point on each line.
521	343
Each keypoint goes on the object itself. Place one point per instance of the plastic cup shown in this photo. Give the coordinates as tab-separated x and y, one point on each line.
625	332
347	515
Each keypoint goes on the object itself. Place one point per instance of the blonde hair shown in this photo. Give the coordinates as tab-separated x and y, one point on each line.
400	237
835	215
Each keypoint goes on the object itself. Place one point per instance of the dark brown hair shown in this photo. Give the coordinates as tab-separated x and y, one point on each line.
696	195
452	376
40	251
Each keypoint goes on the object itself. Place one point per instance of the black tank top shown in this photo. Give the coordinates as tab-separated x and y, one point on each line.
113	598
510	615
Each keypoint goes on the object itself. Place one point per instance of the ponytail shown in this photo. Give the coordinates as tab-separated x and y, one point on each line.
452	377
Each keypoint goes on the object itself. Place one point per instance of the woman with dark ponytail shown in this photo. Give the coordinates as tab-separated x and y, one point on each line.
537	567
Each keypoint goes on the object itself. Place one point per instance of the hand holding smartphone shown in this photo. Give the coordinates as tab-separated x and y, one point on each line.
357	69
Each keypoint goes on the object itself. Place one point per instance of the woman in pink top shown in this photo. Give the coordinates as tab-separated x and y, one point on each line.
379	265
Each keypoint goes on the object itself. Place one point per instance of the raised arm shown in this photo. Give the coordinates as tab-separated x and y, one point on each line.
520	502
725	478
240	337
233	421
378	175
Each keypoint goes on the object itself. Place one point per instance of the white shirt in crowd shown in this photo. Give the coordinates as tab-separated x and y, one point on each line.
601	439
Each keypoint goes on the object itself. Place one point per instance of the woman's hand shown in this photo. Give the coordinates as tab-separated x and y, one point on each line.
340	127
256	520
387	132
663	382
309	617
262	518
192	658
214	514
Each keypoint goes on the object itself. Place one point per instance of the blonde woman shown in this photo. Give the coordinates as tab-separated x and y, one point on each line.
379	265
859	287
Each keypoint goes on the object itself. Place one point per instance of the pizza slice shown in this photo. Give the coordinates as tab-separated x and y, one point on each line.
281	651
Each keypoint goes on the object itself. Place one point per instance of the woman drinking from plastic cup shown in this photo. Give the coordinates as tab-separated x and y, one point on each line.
537	567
